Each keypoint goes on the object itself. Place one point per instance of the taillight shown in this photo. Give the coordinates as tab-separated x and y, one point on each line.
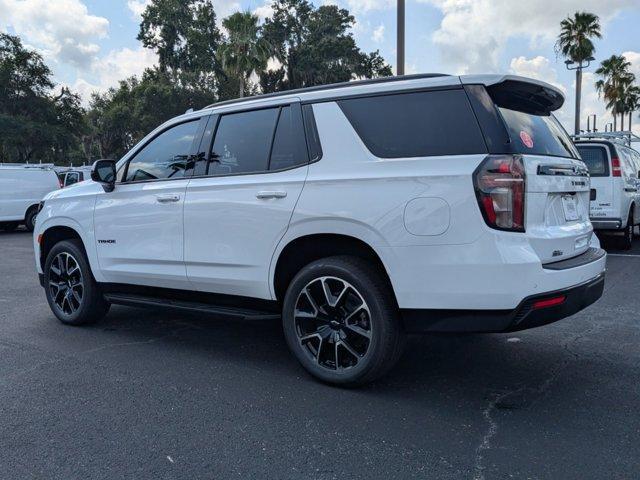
500	188
616	171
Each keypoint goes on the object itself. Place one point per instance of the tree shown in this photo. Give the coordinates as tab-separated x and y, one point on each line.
615	76
122	116
244	50
575	43
35	125
315	47
184	35
632	103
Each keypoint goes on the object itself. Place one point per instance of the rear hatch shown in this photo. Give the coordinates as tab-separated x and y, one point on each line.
516	117
597	157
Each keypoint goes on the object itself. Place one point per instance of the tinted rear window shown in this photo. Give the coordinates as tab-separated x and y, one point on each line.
418	124
596	160
537	134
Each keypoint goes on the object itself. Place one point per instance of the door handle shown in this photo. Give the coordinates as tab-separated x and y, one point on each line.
271	194
167	198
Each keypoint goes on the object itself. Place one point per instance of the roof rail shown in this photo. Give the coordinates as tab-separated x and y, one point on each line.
42	166
625	138
329	86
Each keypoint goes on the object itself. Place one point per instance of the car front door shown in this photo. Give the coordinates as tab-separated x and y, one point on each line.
241	198
139	225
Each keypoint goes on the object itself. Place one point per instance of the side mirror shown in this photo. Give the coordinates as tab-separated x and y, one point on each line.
104	172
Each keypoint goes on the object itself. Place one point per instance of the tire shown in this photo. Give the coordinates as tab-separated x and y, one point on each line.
627	240
9	226
349	336
30	219
72	292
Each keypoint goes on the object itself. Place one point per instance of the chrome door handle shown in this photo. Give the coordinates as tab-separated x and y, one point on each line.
265	194
167	198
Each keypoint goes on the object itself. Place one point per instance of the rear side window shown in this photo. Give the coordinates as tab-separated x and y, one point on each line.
537	134
596	159
418	124
243	141
289	149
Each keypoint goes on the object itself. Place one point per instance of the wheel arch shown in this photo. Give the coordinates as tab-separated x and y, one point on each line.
29	208
302	250
53	235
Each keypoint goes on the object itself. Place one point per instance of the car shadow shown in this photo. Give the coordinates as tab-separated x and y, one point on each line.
435	365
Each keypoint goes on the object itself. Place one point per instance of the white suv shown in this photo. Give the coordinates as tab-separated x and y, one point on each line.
357	212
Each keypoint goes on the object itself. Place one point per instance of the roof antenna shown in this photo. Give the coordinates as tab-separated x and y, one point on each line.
189	111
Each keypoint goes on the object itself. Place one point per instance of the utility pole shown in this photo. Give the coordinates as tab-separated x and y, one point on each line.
400	41
578	68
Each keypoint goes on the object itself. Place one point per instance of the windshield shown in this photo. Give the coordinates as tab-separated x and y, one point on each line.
537	134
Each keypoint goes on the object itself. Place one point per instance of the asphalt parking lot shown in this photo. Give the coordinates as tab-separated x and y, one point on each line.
166	395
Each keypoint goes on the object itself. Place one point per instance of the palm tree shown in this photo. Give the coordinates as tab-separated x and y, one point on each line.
633	103
615	78
576	45
244	50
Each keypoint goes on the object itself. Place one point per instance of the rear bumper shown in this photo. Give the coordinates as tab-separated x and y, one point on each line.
525	316
606	223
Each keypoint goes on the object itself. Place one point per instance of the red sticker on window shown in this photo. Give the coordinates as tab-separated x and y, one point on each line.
526	139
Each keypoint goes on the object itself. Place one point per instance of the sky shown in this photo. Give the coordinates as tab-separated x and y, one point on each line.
91	44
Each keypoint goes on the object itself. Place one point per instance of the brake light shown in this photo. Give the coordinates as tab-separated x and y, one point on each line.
616	171
500	188
549	302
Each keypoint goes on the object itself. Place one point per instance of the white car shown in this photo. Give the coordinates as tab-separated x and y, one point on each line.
357	212
22	187
615	182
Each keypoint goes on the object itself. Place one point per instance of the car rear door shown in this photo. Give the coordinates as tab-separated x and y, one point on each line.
241	198
597	157
139	225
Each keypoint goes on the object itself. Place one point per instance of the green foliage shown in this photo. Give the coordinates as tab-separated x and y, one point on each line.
123	116
575	41
197	66
315	47
35	125
244	50
616	84
183	33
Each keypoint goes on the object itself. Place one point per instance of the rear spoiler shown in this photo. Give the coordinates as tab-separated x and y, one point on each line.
519	93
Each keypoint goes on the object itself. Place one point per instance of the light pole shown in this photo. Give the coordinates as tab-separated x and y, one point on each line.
578	67
400	39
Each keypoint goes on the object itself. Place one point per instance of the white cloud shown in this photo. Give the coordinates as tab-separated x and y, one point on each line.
62	30
363	6
539	68
224	8
378	34
473	33
264	11
137	7
634	58
114	66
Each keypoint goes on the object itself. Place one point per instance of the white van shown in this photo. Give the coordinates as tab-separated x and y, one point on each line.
22	186
615	182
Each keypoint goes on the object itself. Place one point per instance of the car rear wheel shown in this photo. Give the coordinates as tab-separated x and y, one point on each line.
341	321
72	292
30	219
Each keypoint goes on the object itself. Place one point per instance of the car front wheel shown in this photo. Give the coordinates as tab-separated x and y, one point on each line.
72	292
341	321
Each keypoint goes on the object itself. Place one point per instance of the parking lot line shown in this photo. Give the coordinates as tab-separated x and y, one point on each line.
622	255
